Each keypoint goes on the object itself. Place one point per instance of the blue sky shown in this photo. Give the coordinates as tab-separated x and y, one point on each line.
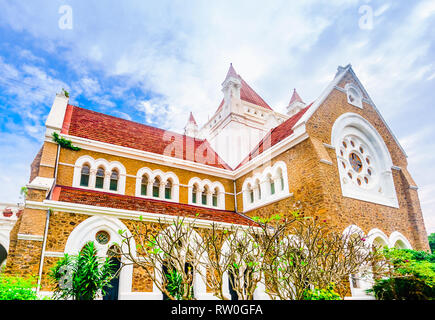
155	62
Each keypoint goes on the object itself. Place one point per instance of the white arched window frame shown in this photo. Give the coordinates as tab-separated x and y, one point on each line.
86	231
398	240
94	165
208	189
261	185
364	162
358	283
354	95
157	179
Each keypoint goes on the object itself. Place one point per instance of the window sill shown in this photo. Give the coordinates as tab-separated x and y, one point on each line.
269	201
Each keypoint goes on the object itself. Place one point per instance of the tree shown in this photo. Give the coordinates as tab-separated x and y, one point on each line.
308	253
82	277
293	256
169	253
432	242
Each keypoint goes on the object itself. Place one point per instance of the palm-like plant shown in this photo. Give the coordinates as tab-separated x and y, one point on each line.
82	277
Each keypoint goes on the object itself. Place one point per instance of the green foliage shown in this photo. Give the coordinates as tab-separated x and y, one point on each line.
412	276
432	242
64	143
174	284
17	288
66	93
82	277
321	294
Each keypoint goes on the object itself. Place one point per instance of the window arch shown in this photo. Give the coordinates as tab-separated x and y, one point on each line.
215	197
168	189
354	95
265	187
157	184
91	174
144	185
99	178
156	187
194	194
206	193
87	230
114	176
364	162
84	175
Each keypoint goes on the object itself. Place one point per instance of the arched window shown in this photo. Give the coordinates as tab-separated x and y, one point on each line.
281	178
215	197
168	189
156	187
204	195
99	180
258	186
354	96
271	184
114	180
144	185
111	292
84	176
194	193
251	193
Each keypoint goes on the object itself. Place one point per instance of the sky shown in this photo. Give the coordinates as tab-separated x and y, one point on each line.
154	62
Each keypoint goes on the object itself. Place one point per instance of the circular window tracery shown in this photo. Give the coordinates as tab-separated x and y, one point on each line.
102	237
356	158
355	162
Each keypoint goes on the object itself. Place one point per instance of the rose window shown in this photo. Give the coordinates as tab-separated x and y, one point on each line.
102	237
356	162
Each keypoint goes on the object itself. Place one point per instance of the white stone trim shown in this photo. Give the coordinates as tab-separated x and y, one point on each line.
86	231
164	177
94	164
381	188
397	236
259	183
122	213
30	237
211	186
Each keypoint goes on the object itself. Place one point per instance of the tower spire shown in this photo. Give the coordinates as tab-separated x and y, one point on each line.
191	128
296	104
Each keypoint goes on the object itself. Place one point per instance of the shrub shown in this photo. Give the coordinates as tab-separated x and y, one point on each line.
82	277
322	294
412	276
17	288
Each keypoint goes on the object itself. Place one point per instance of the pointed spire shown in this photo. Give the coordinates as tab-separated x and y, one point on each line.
296	104
295	97
191	118
231	72
191	128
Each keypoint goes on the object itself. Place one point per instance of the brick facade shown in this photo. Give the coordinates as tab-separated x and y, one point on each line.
312	174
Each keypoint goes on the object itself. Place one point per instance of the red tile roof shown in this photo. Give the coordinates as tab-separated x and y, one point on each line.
275	135
97	126
110	200
246	92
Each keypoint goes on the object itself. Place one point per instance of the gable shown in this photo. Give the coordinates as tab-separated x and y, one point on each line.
334	101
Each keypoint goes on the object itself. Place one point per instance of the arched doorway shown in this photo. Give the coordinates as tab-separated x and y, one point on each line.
3	255
188	269
115	257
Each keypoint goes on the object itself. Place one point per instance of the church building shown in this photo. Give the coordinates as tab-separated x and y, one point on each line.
336	156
